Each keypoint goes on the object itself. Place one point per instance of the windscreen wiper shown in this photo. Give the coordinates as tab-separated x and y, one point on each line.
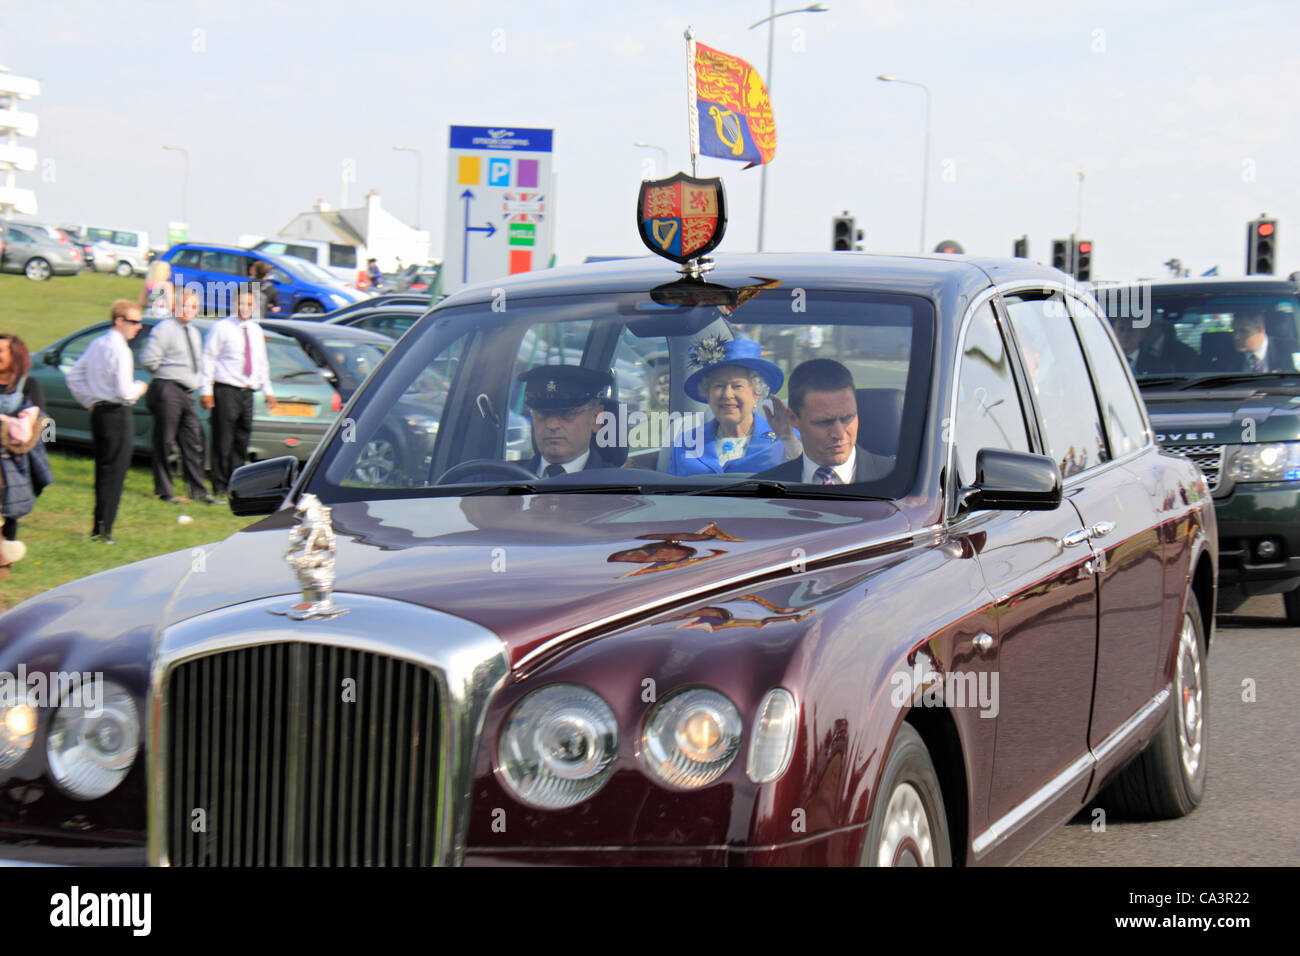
767	488
1237	378
1152	381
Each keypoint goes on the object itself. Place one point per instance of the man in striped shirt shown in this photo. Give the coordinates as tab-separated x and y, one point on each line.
234	367
103	380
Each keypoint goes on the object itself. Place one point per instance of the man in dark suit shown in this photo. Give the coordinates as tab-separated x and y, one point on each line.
1257	350
824	409
1154	349
564	401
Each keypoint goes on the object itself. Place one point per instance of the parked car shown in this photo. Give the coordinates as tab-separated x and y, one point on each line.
343	262
313	370
30	250
390	320
1006	610
378	301
121	251
1190	350
220	270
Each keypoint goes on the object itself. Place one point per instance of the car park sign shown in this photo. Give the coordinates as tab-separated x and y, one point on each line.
499	209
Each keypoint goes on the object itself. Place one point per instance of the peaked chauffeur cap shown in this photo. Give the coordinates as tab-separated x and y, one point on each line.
550	388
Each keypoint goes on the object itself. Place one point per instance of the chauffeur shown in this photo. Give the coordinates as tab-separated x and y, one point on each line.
103	380
565	404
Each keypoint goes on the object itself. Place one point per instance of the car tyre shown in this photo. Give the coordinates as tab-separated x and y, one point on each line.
909	826
124	269
309	307
378	461
37	269
1291	602
1167	780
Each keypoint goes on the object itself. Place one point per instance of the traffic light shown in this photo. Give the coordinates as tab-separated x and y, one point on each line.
1061	254
1021	248
842	232
1082	259
1261	243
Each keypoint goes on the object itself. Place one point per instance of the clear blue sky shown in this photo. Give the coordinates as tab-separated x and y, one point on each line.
1183	115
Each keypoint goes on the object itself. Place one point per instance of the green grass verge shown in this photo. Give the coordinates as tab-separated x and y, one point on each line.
57	532
43	312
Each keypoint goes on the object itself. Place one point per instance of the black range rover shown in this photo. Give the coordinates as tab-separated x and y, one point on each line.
1217	363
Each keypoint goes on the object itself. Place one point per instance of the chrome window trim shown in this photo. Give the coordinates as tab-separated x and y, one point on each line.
468	662
1015	818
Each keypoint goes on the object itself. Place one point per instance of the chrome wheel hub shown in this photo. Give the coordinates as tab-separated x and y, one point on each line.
905	838
1191	704
377	463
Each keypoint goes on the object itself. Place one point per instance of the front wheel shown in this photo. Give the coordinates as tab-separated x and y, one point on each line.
38	270
1167	780
909	827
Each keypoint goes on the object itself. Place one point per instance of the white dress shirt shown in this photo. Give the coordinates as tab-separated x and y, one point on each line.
105	373
224	355
846	473
569	467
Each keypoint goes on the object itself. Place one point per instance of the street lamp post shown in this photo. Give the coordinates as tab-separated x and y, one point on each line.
762	186
185	183
925	170
642	143
419	179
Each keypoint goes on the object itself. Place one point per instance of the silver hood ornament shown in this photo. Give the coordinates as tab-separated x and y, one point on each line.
311	555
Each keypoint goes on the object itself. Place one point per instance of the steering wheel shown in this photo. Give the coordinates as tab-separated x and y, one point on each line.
491	466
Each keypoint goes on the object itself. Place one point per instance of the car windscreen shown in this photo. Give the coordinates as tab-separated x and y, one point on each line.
1180	334
619	391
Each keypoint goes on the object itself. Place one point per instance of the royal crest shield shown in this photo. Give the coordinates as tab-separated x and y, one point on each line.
681	218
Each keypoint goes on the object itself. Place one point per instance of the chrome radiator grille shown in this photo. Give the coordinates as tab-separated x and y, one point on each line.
302	754
1208	458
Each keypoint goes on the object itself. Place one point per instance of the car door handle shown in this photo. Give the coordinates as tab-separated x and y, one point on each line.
1101	529
1076	537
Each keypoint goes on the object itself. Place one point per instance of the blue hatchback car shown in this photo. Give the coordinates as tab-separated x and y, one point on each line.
304	288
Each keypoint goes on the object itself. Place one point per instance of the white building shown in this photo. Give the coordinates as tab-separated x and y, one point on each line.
370	229
14	158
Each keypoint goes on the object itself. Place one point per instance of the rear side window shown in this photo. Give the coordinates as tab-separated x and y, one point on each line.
99	235
989	414
343	257
1058	375
1121	407
126	239
225	262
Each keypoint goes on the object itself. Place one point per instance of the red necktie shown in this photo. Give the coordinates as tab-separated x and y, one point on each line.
248	355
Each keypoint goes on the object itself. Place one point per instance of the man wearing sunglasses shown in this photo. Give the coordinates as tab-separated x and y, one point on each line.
103	380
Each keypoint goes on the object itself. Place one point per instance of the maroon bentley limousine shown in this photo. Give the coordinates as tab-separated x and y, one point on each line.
891	573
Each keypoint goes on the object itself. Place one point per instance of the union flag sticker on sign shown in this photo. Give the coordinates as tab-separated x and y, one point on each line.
681	218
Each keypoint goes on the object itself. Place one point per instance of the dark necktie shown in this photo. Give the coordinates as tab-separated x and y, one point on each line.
189	344
825	476
248	354
553	471
1255	364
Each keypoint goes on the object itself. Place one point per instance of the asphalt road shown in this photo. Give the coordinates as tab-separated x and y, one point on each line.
1251	812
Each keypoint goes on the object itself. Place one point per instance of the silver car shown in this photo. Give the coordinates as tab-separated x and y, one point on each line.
30	250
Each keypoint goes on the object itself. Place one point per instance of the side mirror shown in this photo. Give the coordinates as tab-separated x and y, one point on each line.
52	357
1013	481
260	488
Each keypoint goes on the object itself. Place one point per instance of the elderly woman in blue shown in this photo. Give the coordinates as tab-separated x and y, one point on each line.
733	380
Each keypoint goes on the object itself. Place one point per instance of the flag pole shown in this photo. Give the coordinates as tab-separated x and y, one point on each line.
692	119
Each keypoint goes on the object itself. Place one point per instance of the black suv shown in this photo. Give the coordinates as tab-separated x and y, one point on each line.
1217	361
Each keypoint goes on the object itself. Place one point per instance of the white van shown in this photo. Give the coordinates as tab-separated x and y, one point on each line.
339	260
124	251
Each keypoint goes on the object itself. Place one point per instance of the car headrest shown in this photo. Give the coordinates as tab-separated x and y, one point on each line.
615	455
1217	347
880	419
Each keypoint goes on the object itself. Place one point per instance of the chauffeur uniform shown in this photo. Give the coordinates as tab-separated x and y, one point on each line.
553	388
103	380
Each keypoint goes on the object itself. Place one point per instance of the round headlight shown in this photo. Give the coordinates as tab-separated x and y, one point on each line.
558	745
93	739
17	731
691	737
772	743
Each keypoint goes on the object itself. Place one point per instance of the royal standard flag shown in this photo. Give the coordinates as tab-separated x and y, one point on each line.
733	109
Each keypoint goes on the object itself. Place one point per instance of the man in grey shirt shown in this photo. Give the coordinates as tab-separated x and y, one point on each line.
173	355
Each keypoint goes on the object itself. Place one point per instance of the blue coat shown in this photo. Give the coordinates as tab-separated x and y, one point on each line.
765	451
